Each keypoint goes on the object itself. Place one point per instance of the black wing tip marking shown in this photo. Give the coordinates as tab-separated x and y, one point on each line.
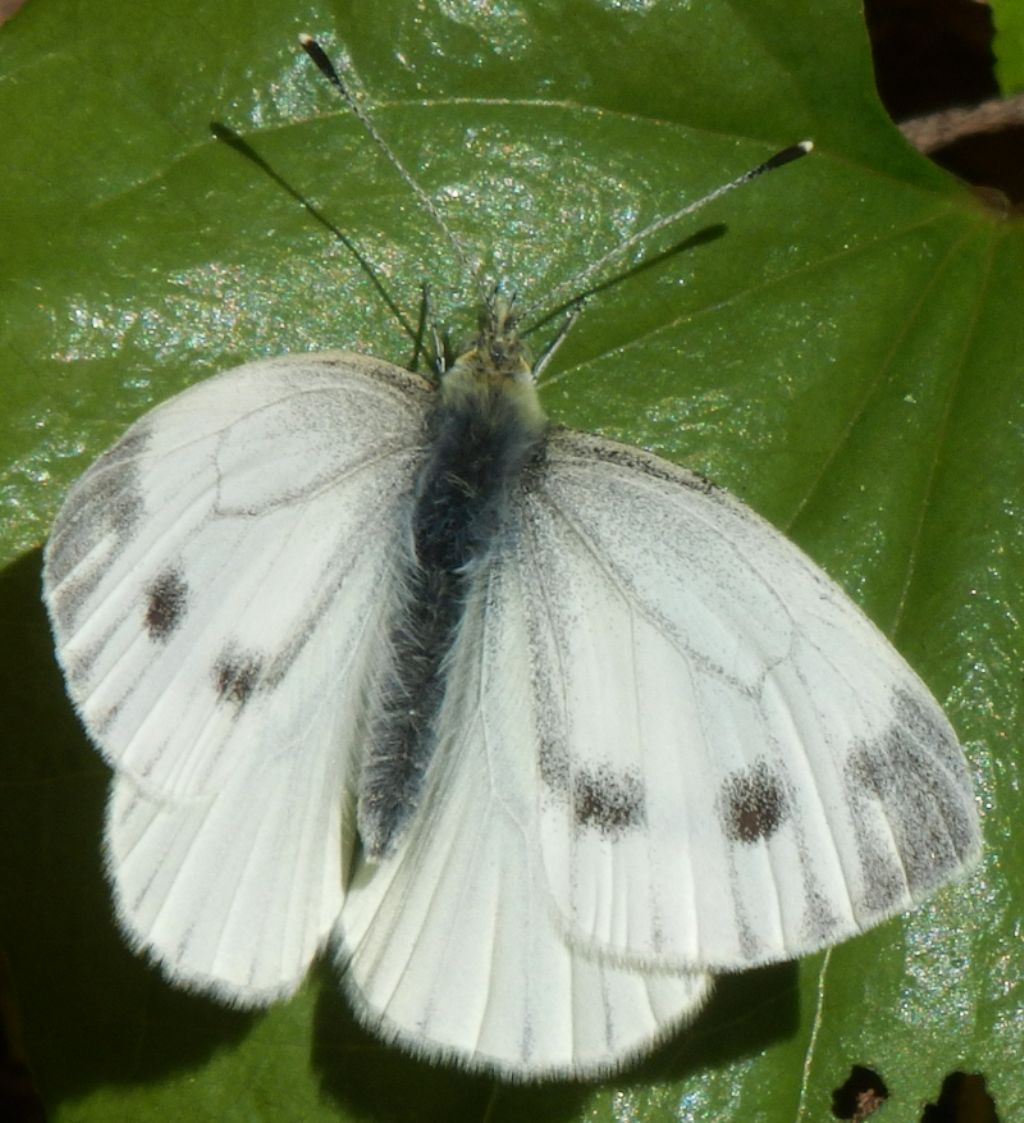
104	503
915	772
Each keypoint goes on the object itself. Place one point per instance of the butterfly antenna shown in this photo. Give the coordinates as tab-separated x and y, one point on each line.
548	352
326	68
579	282
428	323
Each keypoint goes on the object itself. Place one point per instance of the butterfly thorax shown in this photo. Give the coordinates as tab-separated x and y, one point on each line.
485	429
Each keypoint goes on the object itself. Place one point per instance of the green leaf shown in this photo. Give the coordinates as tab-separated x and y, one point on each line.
846	355
1008	45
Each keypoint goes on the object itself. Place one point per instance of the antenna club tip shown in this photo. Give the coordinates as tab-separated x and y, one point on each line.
305	38
806	145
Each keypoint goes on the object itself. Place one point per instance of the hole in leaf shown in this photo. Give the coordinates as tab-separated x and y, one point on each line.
863	1094
963	1099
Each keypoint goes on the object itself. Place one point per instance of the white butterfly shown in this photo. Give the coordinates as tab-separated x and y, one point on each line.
537	731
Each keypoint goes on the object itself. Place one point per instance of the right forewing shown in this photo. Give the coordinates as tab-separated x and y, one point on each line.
736	766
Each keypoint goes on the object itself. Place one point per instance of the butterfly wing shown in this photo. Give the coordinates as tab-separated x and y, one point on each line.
453	945
235	894
217	584
736	766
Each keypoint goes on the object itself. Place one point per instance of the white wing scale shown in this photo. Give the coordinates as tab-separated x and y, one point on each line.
217	583
235	894
238	509
737	766
675	744
453	946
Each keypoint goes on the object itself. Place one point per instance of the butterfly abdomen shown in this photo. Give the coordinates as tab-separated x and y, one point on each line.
487	426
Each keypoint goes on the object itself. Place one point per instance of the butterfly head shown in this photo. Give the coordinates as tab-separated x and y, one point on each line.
496	366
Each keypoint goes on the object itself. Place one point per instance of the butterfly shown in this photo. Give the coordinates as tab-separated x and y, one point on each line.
537	732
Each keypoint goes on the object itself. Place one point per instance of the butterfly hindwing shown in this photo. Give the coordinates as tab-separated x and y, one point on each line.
453	945
736	766
234	894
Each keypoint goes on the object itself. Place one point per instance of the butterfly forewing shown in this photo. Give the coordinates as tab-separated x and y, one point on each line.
190	564
735	766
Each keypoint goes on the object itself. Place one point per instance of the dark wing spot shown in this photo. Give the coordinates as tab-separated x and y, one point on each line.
610	804
166	604
754	804
236	677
